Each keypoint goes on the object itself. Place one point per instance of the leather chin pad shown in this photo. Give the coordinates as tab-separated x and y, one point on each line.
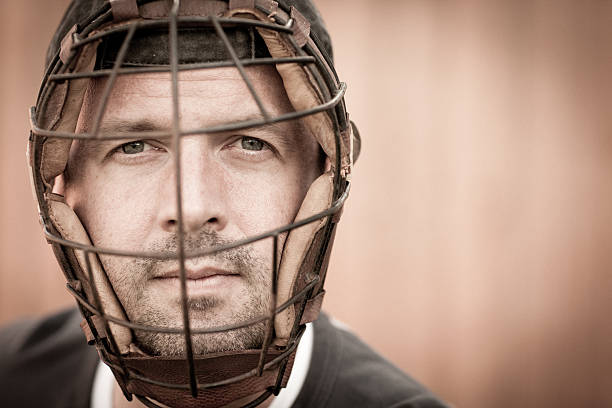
299	240
70	228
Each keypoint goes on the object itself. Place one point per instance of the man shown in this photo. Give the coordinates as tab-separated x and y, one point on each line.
190	160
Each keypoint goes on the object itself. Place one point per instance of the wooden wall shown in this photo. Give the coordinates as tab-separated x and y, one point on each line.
476	248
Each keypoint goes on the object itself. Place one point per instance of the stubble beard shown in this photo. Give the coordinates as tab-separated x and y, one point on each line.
205	312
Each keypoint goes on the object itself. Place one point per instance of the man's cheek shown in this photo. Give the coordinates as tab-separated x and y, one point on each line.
261	206
120	220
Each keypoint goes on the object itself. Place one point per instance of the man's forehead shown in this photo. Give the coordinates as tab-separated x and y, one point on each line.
206	98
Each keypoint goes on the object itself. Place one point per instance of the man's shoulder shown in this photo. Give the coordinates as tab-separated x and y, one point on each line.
46	360
345	372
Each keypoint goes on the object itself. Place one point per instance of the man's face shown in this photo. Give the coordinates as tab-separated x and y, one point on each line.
234	185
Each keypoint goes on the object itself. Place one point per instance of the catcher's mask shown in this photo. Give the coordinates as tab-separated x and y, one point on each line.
116	38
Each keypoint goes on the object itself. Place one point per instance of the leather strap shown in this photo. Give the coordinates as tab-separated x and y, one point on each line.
66	45
313	307
75	284
98	323
160	9
87	332
301	30
270	5
213	368
124	9
241	4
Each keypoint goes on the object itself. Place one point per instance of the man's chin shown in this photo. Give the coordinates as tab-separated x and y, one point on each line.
173	345
204	313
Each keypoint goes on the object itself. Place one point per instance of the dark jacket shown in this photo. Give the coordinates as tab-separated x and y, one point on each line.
47	363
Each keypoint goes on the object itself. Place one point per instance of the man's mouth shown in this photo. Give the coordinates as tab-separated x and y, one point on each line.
204	281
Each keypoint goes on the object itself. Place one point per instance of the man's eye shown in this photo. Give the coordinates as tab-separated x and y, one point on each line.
138	152
133	147
250	143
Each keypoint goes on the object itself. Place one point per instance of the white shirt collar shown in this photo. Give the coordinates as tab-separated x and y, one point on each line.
103	383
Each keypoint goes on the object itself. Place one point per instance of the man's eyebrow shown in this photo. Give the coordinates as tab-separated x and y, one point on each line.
119	127
283	132
288	134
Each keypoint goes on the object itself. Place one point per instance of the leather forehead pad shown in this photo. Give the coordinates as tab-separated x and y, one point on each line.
301	91
62	113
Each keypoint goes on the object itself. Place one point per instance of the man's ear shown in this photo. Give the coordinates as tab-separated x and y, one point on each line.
327	165
59	185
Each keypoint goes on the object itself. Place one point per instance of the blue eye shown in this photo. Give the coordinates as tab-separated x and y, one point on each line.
250	143
133	147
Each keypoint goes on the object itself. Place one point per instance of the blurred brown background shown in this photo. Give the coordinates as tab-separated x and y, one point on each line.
476	249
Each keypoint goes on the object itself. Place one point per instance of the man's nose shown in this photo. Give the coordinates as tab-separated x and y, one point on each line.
202	190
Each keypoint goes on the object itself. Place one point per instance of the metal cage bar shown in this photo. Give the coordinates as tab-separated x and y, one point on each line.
333	209
111	79
184	67
280	359
176	142
240	69
272	306
164	22
179	330
213	129
97	299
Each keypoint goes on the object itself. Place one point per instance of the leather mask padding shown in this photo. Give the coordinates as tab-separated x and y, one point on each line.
299	240
61	114
302	92
70	227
